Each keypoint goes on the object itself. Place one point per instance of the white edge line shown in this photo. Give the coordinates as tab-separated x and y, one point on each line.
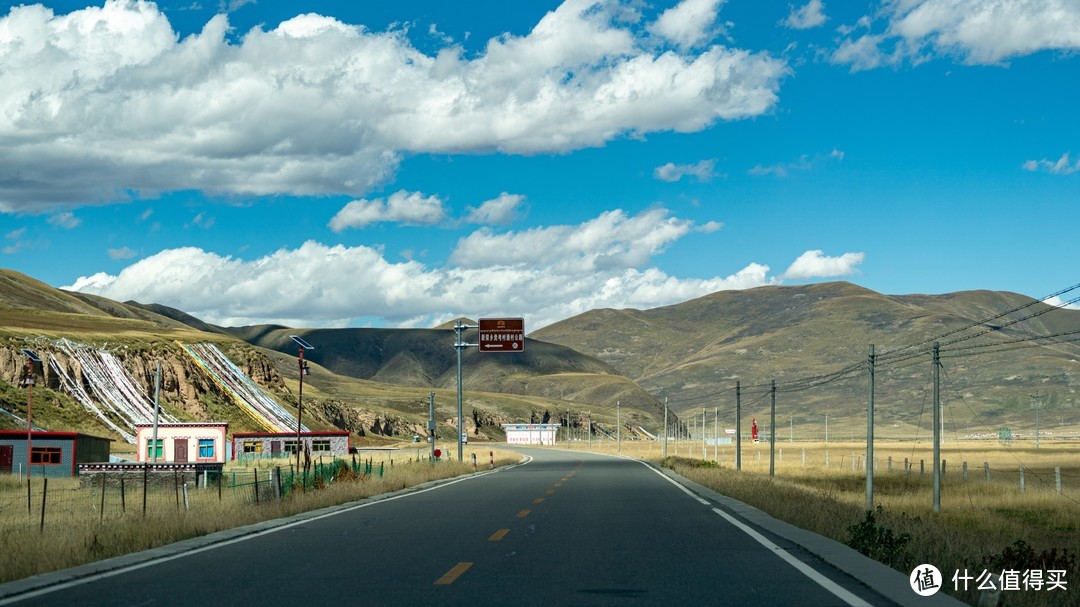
808	571
164	559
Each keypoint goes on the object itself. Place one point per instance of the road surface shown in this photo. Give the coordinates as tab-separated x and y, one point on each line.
566	528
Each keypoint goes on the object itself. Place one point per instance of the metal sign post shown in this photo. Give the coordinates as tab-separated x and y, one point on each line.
460	345
496	335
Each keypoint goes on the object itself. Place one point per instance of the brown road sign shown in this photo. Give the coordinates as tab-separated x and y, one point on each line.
502	334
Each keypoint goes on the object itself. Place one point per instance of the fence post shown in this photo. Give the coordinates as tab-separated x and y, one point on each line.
28	512
123	498
803	454
44	495
942	467
907	468
184	483
1021	478
964	471
145	478
922	467
1057	478
219	484
890	463
176	487
473	462
256	486
101	514
986	468
277	473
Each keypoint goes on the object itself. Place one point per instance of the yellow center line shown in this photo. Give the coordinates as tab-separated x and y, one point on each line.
453	574
550	491
538	500
523	513
558	484
498	535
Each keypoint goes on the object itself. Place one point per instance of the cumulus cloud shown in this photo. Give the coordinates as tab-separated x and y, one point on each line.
985	32
689	23
545	274
497	211
1057	301
814	264
1061	166
614	240
107	103
702	170
806	17
409	208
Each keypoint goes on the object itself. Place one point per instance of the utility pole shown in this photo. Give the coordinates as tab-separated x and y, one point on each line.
1036	397
716	434
870	429
303	345
664	445
431	422
703	451
590	430
738	426
937	426
618	428
772	431
157	409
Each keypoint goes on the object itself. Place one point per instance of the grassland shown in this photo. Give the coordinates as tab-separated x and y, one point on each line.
978	524
78	530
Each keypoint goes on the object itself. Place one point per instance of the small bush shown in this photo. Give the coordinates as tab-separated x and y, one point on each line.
879	542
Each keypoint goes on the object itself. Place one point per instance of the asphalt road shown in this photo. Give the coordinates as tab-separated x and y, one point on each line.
566	528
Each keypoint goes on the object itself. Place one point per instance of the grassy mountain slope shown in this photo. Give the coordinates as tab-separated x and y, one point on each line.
33	314
426	358
694	352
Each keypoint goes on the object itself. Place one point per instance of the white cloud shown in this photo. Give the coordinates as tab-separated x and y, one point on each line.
814	264
497	211
121	253
202	221
702	170
806	17
106	103
409	208
604	262
986	32
804	163
65	220
1061	166
689	23
613	240
1057	301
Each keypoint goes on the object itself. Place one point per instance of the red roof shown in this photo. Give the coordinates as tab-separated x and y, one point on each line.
289	434
46	434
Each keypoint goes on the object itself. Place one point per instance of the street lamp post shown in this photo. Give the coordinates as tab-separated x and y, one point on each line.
300	399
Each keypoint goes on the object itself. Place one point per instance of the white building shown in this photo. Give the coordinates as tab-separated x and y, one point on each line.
181	443
531	434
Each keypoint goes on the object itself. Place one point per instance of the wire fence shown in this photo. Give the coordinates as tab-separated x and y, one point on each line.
142	492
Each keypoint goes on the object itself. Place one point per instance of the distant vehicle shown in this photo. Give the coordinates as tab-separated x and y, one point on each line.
415	439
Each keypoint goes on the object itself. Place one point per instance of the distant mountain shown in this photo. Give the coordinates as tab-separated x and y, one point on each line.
693	352
426	358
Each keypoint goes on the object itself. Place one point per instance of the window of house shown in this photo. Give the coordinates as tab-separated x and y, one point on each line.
320	445
253	446
150	448
290	446
206	448
45	455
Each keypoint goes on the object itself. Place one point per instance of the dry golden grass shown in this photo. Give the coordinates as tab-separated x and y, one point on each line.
75	531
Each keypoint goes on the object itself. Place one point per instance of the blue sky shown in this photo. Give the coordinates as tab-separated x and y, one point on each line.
399	164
